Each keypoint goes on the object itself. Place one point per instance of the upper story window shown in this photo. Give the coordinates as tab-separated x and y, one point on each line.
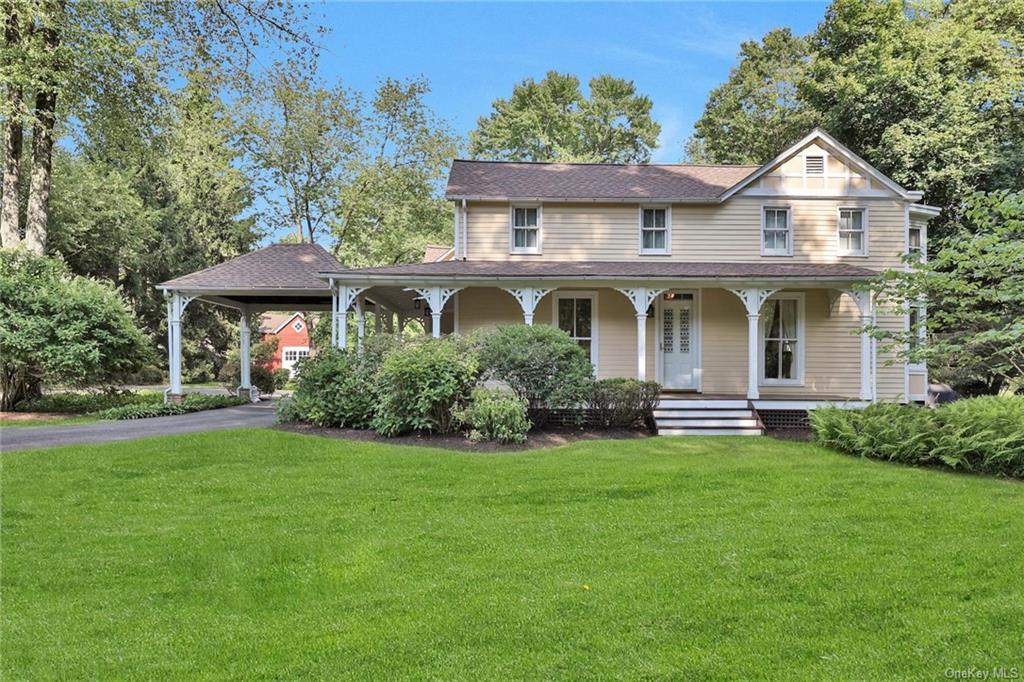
814	165
525	229
915	243
776	232
853	232
655	230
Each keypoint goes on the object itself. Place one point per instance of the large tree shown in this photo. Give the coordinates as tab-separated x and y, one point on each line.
552	120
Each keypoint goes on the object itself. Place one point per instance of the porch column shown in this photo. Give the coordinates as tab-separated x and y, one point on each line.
436	297
339	314
176	304
528	298
244	353
863	300
753	298
641	298
378	314
334	315
360	322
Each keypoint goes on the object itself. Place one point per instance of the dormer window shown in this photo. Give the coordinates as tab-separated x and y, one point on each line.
525	229
814	165
655	230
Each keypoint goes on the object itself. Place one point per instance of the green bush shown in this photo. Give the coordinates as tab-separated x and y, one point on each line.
541	364
86	402
193	402
288	410
421	386
623	403
984	435
281	377
496	415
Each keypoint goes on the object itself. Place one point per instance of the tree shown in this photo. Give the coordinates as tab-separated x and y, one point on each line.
756	113
56	326
553	121
974	289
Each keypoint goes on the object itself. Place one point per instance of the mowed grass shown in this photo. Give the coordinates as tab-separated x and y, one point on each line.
264	554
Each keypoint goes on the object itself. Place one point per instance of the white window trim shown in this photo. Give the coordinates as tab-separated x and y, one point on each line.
789	226
865	240
539	249
592	295
801	341
285	349
667	251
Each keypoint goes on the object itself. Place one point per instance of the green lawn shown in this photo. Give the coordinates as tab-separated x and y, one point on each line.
61	420
263	554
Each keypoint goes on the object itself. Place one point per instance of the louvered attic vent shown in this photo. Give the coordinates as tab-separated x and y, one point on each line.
814	165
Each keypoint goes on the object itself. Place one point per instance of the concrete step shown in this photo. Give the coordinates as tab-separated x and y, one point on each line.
671	403
680	413
709	432
706	422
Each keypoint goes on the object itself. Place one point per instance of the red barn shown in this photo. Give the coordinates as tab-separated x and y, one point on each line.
292	333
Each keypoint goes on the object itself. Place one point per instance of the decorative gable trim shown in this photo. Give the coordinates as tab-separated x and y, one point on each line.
836	149
289	321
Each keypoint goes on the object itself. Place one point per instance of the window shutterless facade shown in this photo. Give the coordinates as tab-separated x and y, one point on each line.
655	230
782	340
853	232
776	231
525	229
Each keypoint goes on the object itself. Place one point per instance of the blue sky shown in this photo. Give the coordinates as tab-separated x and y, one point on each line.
474	53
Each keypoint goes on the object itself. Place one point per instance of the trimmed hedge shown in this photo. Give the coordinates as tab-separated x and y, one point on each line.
88	401
496	415
623	403
983	435
193	402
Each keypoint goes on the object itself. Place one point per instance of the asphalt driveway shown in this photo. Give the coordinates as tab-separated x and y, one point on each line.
257	415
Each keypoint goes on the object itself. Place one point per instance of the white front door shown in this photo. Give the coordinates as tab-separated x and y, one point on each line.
676	342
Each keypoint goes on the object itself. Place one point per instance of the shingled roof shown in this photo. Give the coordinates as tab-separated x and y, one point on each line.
279	266
460	269
502	180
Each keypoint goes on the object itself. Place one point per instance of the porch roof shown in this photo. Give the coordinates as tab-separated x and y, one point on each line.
462	270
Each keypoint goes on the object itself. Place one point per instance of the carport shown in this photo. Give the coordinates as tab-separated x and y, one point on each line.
277	277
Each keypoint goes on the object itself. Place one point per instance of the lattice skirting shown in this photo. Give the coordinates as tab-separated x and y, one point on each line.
778	420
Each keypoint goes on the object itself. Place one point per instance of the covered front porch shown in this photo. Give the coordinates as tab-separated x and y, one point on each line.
791	339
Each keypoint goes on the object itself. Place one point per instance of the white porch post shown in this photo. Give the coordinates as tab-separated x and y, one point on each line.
641	298
753	298
435	297
378	317
360	321
334	315
176	304
343	300
528	298
867	361
245	359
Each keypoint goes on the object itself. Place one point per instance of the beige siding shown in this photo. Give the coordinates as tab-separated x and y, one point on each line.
729	232
831	356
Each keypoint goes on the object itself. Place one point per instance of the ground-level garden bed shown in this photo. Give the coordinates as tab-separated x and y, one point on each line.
80	407
261	553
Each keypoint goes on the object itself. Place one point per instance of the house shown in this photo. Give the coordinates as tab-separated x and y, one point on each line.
291	331
739	288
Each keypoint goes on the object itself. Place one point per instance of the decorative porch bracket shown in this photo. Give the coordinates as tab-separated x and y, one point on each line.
641	298
435	297
753	298
528	298
341	300
867	351
176	304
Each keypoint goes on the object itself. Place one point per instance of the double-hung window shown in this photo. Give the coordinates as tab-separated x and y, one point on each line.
655	230
576	315
525	229
782	340
915	244
776	232
853	232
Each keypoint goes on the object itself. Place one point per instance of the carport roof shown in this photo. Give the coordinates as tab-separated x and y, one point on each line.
275	268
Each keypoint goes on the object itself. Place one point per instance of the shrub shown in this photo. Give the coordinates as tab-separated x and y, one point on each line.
281	377
541	364
260	376
623	403
288	410
496	415
193	402
421	386
89	401
979	434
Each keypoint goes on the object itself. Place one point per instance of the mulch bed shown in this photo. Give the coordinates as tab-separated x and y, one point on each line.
456	441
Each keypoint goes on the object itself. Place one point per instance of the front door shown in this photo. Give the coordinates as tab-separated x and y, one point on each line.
675	341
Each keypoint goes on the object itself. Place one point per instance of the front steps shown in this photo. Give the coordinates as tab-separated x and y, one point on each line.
675	416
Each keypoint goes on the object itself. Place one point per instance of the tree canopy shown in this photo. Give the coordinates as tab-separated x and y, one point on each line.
554	121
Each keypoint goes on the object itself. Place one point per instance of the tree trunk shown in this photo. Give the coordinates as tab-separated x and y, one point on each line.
38	215
10	222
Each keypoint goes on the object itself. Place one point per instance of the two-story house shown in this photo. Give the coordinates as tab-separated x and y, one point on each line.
736	283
